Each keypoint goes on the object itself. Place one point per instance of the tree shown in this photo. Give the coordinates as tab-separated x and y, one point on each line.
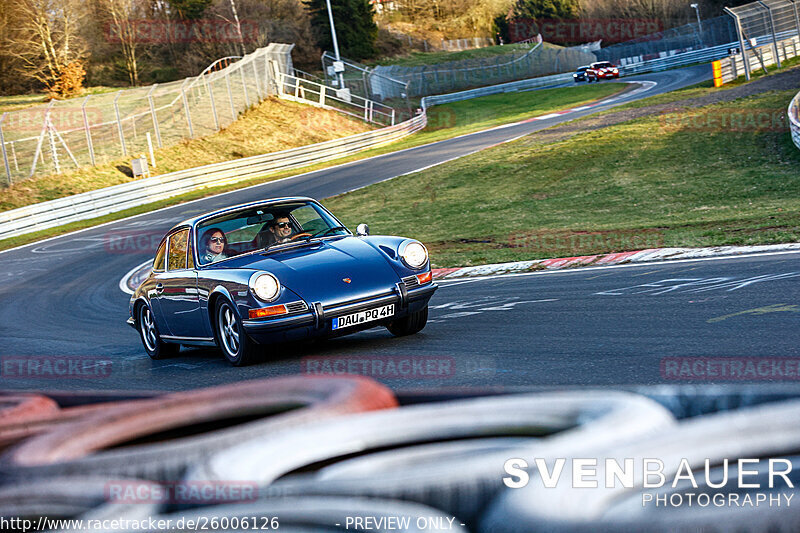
356	30
123	16
546	9
45	38
189	9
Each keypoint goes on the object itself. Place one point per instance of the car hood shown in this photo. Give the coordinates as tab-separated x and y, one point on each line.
316	272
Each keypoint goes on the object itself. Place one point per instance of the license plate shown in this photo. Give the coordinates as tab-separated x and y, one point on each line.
362	317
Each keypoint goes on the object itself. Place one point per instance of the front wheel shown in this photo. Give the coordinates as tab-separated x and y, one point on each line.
151	339
409	325
236	346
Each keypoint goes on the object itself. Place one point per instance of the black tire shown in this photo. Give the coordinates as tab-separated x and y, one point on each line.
232	340
151	339
409	325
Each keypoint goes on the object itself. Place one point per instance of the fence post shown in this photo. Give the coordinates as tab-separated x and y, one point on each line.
258	84
322	95
213	105
230	95
3	144
796	19
745	58
86	129
153	114
244	87
392	116
772	29
119	125
186	109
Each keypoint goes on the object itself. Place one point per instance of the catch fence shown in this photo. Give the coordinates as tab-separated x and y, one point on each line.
69	134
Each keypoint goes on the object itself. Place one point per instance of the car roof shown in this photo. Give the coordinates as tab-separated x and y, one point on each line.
194	220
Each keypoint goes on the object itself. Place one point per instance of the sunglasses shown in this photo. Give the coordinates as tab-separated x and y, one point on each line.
218	240
284	224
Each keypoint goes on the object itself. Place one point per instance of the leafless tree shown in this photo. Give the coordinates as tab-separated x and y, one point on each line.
44	36
123	18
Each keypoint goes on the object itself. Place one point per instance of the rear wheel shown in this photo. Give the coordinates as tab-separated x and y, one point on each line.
409	325
236	346
151	339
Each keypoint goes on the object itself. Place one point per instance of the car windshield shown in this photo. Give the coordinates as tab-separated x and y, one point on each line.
582	69
603	65
262	227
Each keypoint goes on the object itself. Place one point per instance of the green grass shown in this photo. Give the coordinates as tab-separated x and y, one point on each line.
466	117
416	59
669	181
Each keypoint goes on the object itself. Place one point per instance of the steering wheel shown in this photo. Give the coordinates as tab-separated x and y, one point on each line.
295	237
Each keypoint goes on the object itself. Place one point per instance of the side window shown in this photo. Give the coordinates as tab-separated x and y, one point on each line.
158	263
177	250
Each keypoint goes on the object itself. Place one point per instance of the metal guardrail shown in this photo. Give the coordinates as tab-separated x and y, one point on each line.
759	57
533	83
794	119
310	92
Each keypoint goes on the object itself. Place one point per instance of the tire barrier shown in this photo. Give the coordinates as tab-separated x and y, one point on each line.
23	407
81	447
763	431
457	486
320	462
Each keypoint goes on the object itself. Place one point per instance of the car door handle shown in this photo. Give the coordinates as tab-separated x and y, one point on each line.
159	288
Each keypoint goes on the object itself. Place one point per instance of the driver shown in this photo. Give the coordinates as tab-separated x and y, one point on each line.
281	229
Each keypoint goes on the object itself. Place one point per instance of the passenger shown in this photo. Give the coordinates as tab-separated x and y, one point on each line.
213	246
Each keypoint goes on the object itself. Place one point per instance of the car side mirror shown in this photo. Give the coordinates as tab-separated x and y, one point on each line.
362	230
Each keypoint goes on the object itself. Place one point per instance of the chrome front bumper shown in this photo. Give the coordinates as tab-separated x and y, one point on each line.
319	314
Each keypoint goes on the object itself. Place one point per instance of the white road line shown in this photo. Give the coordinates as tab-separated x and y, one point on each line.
610	267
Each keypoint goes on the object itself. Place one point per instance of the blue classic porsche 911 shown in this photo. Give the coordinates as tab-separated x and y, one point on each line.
274	271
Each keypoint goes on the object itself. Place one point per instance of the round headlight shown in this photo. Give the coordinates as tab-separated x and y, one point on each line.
414	254
265	286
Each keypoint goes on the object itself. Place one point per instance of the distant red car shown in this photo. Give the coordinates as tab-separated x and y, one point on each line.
603	70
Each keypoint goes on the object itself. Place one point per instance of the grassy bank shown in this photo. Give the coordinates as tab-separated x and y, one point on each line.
446	121
672	180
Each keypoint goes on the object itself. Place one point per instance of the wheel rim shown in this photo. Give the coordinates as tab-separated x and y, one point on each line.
147	326
229	330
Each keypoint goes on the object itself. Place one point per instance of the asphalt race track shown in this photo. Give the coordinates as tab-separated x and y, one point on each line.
613	325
